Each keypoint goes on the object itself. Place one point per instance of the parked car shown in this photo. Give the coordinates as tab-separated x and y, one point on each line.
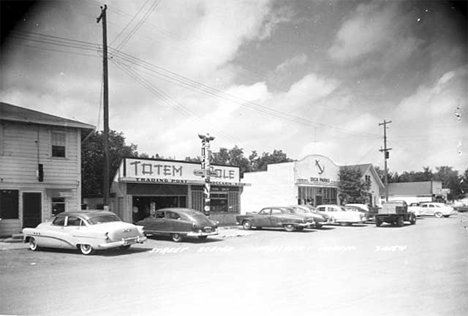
275	216
320	219
416	209
460	205
179	223
340	215
86	231
437	209
364	209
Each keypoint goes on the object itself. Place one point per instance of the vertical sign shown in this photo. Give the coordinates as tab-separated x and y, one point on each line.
206	153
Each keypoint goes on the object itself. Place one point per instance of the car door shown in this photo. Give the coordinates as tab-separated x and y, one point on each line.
430	209
263	218
52	237
276	217
73	232
174	222
156	224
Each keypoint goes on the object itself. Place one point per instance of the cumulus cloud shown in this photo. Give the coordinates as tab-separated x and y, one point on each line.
373	28
311	87
295	61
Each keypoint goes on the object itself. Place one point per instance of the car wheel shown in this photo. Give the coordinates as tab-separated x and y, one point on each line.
400	222
318	225
413	219
247	225
299	229
86	249
438	215
176	237
33	244
289	228
202	237
378	222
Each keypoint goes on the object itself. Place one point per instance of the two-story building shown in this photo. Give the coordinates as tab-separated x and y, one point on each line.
40	166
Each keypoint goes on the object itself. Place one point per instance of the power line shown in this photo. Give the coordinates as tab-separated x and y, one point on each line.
194	85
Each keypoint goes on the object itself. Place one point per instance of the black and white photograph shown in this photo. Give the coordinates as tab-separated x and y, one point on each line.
234	157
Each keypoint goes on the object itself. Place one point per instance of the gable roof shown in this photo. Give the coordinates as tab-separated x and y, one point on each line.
13	113
368	167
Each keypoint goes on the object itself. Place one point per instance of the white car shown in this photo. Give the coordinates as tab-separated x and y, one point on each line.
340	215
416	209
437	209
86	231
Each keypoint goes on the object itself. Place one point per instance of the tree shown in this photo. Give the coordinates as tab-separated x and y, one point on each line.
351	187
261	163
450	180
92	160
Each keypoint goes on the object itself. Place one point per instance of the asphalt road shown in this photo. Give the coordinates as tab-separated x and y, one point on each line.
357	270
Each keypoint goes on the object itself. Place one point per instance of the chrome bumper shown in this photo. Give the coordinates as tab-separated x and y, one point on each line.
123	242
202	233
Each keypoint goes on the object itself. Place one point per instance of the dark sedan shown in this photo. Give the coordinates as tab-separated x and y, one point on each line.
179	223
275	217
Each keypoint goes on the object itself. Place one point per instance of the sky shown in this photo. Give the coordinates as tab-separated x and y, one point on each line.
305	77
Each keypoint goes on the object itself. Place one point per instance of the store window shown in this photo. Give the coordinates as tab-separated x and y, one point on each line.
58	144
219	202
58	205
9	204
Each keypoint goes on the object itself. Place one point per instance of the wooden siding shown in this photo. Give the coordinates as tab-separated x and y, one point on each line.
21	155
24	146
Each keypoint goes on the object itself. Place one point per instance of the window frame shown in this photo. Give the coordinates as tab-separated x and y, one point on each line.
13	213
53	203
52	134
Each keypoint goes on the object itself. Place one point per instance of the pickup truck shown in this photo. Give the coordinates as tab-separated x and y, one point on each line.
395	213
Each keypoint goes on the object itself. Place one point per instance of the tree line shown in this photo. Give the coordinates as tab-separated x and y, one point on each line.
351	185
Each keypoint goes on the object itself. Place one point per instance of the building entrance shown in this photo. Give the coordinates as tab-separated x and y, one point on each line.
144	206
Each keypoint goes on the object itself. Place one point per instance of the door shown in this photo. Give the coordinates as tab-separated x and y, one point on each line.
32	209
318	200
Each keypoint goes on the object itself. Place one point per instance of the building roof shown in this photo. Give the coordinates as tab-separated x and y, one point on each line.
13	113
367	167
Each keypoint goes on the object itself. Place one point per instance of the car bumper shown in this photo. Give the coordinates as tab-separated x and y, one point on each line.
201	233
123	242
305	224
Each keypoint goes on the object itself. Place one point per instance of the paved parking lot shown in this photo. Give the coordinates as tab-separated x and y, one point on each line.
357	270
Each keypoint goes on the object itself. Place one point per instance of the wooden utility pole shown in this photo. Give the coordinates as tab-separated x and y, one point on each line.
106	105
386	156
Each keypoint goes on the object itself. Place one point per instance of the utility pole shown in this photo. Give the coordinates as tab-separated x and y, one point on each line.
106	105
206	154
386	156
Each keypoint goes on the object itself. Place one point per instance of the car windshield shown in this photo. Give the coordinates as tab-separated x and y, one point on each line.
103	219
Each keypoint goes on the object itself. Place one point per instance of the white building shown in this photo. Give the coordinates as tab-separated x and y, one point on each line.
312	180
40	166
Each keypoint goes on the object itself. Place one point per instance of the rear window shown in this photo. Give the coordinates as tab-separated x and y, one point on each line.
103	219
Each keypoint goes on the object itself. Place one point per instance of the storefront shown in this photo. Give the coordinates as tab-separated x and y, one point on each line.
142	186
312	180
